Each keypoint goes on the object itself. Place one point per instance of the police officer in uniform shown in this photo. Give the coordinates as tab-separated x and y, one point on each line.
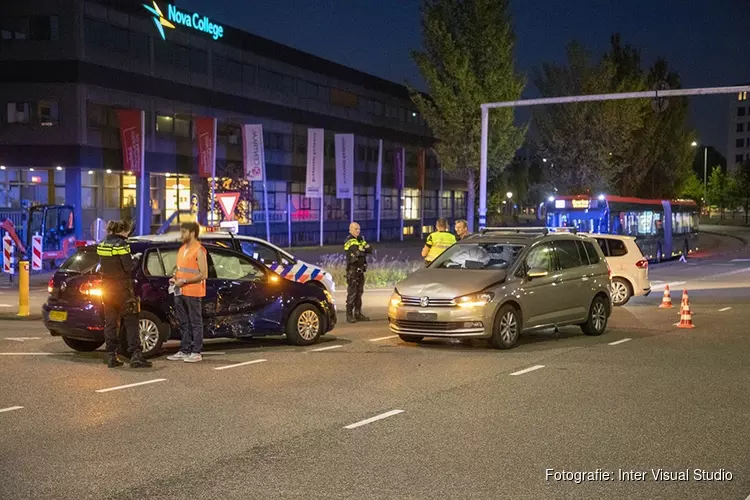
437	242
356	250
121	306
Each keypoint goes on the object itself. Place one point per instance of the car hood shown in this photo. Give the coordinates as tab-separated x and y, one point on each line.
448	283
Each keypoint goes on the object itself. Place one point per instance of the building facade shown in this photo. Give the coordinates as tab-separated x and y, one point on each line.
738	147
66	66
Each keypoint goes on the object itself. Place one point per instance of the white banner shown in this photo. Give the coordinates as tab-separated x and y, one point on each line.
379	178
344	166
254	155
315	143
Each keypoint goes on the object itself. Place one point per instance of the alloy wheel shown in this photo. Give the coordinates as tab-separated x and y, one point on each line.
619	292
599	316
508	327
308	325
149	333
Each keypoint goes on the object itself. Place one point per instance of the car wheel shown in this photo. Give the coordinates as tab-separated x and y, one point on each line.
507	328
83	345
304	325
621	291
152	332
596	322
413	339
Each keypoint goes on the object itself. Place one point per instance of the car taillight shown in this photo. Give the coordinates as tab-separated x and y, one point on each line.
92	288
642	264
51	285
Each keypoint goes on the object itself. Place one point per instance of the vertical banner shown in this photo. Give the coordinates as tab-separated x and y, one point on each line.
379	186
254	157
315	156
400	170
205	134
315	179
421	172
344	165
132	136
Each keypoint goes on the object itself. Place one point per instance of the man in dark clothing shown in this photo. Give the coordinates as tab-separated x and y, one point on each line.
356	250
120	303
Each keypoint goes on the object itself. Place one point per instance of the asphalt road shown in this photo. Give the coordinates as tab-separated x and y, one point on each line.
370	417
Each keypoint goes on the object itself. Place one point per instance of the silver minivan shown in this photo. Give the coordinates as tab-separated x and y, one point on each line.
499	283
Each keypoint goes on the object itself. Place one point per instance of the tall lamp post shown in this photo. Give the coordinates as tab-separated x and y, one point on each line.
705	171
509	195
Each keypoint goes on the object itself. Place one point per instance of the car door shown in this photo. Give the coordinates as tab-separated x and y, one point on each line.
264	254
573	280
244	299
540	295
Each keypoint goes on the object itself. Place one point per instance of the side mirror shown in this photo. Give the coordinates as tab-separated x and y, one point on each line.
536	272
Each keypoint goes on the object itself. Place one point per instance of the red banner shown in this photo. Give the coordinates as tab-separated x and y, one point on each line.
205	133
132	139
421	167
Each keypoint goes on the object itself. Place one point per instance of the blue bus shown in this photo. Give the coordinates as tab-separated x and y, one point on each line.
662	228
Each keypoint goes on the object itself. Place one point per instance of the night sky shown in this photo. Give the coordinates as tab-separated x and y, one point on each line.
706	41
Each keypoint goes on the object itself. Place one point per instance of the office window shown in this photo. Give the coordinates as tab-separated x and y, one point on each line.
741	111
112	190
29	28
128	191
740	127
742	96
738	159
300	144
308	90
361	152
164	124
104	36
176	56
182	127
275	82
226	69
97	115
48	113
248	75
739	143
139	46
344	99
198	61
19	112
411	204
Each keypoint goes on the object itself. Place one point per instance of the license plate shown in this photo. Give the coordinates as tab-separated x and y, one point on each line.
58	316
412	316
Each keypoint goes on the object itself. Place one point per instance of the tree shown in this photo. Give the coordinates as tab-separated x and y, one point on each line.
742	179
588	142
692	189
722	190
467	60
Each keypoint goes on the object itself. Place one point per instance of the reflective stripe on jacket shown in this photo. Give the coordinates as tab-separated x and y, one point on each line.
115	260
187	268
437	242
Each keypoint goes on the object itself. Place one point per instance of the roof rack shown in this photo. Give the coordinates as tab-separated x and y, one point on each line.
572	230
514	230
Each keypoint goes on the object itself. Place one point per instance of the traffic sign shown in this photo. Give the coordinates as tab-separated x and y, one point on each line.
228	202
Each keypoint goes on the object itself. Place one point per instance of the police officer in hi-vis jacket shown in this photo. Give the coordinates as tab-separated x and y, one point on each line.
437	242
356	250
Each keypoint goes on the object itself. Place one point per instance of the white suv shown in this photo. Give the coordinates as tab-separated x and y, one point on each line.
629	267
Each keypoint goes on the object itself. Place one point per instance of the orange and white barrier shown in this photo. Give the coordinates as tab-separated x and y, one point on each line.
686	317
8	254
666	301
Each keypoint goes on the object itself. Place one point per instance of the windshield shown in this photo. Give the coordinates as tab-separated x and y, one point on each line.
492	256
83	261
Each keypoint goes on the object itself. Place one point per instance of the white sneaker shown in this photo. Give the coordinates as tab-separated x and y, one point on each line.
178	356
194	358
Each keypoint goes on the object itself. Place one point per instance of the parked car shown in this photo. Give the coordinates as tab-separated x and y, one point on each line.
499	283
243	299
276	259
629	267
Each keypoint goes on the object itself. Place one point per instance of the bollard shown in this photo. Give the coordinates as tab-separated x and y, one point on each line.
23	288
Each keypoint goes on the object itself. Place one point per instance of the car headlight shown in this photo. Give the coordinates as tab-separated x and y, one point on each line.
395	299
474	300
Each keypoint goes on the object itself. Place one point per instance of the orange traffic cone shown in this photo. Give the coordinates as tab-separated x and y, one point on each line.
685	303
686	317
666	300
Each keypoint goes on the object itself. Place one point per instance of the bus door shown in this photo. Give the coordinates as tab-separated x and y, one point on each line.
667	225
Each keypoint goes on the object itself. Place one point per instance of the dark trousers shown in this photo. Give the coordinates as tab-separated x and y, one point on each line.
116	313
190	315
355	287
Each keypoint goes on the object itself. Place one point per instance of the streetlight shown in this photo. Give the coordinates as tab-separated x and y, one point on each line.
509	195
705	171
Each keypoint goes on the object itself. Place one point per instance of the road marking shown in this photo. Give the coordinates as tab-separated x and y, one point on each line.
740	260
384	338
671	284
10	408
724	309
241	364
204	353
35	353
621	341
132	385
21	339
326	348
728	273
374	419
527	370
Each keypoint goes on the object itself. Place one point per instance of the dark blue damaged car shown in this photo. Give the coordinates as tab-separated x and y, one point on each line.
244	299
